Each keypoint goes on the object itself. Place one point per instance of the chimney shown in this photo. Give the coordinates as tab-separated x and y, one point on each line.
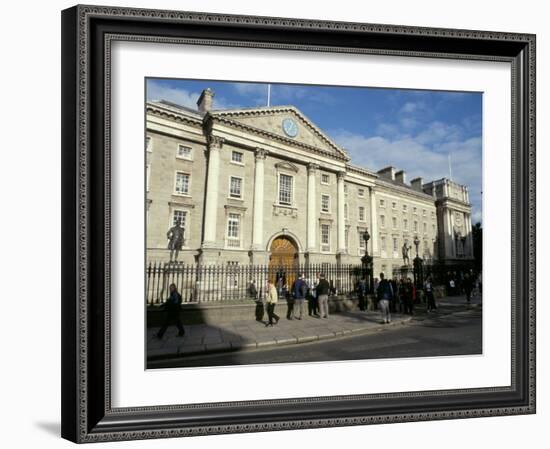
206	100
388	173
416	184
401	176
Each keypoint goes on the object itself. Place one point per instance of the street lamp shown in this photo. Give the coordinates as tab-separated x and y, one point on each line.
366	260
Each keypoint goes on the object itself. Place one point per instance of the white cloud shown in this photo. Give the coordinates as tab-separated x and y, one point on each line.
410	107
424	154
157	91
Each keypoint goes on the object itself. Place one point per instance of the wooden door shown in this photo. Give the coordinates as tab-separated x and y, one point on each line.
284	256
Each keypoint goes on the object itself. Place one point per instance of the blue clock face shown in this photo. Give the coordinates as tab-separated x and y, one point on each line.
290	127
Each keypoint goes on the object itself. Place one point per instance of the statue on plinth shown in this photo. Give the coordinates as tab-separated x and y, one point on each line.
175	236
405	251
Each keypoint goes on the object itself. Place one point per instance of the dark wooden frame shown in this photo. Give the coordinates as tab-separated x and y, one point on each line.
87	32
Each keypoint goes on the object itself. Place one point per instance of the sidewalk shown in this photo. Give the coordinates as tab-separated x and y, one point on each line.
250	334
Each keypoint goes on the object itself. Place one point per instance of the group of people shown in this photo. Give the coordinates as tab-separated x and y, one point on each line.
458	283
401	296
314	292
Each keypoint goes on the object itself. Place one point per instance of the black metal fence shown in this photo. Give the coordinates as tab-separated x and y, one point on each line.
202	283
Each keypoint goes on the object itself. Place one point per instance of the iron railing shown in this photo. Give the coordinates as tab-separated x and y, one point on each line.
202	283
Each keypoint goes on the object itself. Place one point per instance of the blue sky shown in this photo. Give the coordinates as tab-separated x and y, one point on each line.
412	130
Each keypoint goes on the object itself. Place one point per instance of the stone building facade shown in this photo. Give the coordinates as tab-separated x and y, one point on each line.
267	186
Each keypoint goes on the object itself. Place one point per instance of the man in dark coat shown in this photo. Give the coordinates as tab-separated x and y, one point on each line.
172	308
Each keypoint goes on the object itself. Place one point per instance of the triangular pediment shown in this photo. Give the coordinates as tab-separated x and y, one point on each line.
285	122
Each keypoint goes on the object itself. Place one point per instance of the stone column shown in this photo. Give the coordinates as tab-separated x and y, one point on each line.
373	222
258	252
311	208
258	219
448	231
470	237
341	222
212	191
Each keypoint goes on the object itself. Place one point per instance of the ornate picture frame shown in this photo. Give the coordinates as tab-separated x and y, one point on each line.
87	411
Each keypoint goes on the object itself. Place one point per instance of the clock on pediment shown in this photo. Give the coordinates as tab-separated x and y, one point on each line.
290	127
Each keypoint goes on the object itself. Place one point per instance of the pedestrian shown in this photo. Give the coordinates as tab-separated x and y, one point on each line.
172	309
323	288
395	288
271	299
299	292
401	295
375	284
384	294
362	293
428	289
312	303
468	287
252	291
410	296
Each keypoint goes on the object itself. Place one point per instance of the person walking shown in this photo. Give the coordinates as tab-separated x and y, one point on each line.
362	293
299	292
409	297
468	287
312	303
323	289
428	289
384	294
172	309
271	299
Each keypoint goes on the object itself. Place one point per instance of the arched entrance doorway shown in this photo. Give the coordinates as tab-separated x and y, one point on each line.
283	260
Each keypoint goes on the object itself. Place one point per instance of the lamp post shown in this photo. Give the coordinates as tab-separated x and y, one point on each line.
418	271
366	260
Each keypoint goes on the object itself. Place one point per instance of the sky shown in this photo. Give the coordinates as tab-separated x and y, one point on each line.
417	131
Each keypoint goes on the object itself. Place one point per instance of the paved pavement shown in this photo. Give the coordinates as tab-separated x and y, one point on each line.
250	335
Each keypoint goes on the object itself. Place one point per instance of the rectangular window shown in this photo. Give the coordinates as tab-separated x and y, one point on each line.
346	238
406	224
382	221
235	187
394	205
345	189
423	212
433	228
325	203
361	193
234	230
382	203
361	213
425	227
404	208
237	157
149	144
394	222
285	189
395	244
325	178
383	243
182	183
415	226
325	237
184	152
180	215
362	239
345	211
414	210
